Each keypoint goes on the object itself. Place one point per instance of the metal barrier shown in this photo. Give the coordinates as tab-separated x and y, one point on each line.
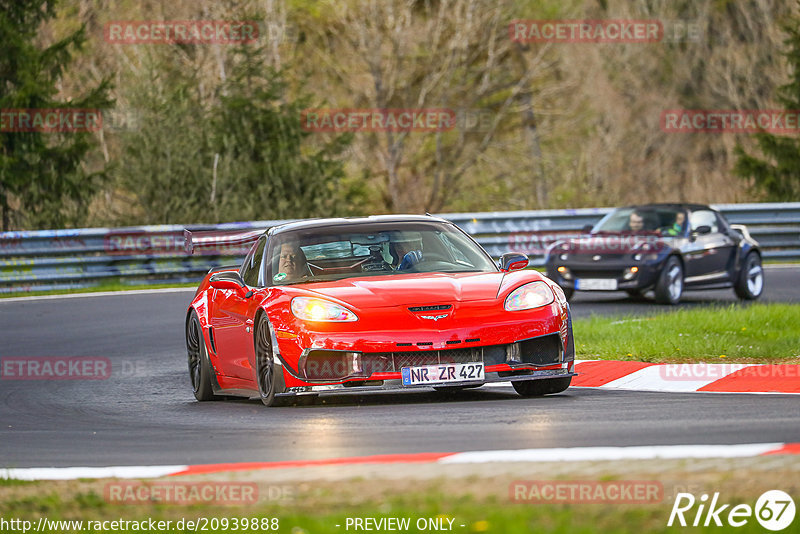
59	259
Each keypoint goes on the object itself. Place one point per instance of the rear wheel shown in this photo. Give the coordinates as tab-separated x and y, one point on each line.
265	363
537	388
669	287
199	364
750	284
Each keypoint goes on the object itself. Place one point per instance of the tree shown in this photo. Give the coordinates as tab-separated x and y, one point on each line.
43	182
266	166
778	176
237	154
165	163
453	54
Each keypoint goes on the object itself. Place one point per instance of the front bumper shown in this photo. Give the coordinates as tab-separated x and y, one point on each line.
565	371
378	347
645	278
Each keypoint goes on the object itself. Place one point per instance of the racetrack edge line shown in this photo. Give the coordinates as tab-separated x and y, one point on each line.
504	456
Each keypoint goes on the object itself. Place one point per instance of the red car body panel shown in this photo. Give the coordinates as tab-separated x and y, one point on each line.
405	318
384	320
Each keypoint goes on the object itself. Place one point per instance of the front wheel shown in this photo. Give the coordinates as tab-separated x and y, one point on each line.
265	363
537	388
750	284
669	287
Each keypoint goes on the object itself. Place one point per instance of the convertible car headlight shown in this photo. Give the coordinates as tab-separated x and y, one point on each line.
533	295
313	309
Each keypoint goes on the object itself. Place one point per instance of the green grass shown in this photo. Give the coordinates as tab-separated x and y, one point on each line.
318	515
112	285
754	333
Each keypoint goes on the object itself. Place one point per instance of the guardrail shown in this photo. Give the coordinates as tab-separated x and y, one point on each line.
59	259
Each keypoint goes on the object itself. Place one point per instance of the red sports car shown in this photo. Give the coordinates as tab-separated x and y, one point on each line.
375	303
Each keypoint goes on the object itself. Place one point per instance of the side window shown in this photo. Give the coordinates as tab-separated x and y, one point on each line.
704	218
252	265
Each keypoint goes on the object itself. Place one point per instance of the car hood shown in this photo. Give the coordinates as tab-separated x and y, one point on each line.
424	289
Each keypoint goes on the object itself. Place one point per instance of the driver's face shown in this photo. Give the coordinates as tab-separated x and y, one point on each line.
289	260
636	222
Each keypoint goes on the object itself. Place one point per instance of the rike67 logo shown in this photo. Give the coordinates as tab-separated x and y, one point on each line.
774	510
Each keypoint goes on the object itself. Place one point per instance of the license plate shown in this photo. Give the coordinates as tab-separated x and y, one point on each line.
596	284
442	373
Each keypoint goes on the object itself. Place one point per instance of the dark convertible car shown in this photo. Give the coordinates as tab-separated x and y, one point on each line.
668	248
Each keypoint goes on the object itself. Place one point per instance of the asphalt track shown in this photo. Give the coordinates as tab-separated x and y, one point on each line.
145	414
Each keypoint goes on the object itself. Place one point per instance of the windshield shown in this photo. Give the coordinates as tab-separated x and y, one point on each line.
660	220
372	249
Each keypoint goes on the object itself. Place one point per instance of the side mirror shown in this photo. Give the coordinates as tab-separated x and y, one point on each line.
229	280
587	229
702	230
513	261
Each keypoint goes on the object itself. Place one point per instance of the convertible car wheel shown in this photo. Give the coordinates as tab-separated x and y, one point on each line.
750	284
669	287
537	388
265	363
199	365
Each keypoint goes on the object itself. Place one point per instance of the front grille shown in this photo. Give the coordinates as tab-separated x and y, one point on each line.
433	357
597	273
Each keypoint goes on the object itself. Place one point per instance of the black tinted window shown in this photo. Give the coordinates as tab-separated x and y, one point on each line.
253	264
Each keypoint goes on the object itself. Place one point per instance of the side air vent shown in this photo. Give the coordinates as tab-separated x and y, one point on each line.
211	339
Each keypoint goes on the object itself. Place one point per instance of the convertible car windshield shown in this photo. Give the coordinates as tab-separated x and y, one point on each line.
310	254
665	221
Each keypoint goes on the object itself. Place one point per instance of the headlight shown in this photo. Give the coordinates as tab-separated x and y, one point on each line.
533	295
313	309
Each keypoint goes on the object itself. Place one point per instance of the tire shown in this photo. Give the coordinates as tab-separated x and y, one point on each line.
265	363
538	388
199	365
750	284
669	287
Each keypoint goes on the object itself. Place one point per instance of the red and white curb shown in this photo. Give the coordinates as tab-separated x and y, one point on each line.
688	377
575	454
